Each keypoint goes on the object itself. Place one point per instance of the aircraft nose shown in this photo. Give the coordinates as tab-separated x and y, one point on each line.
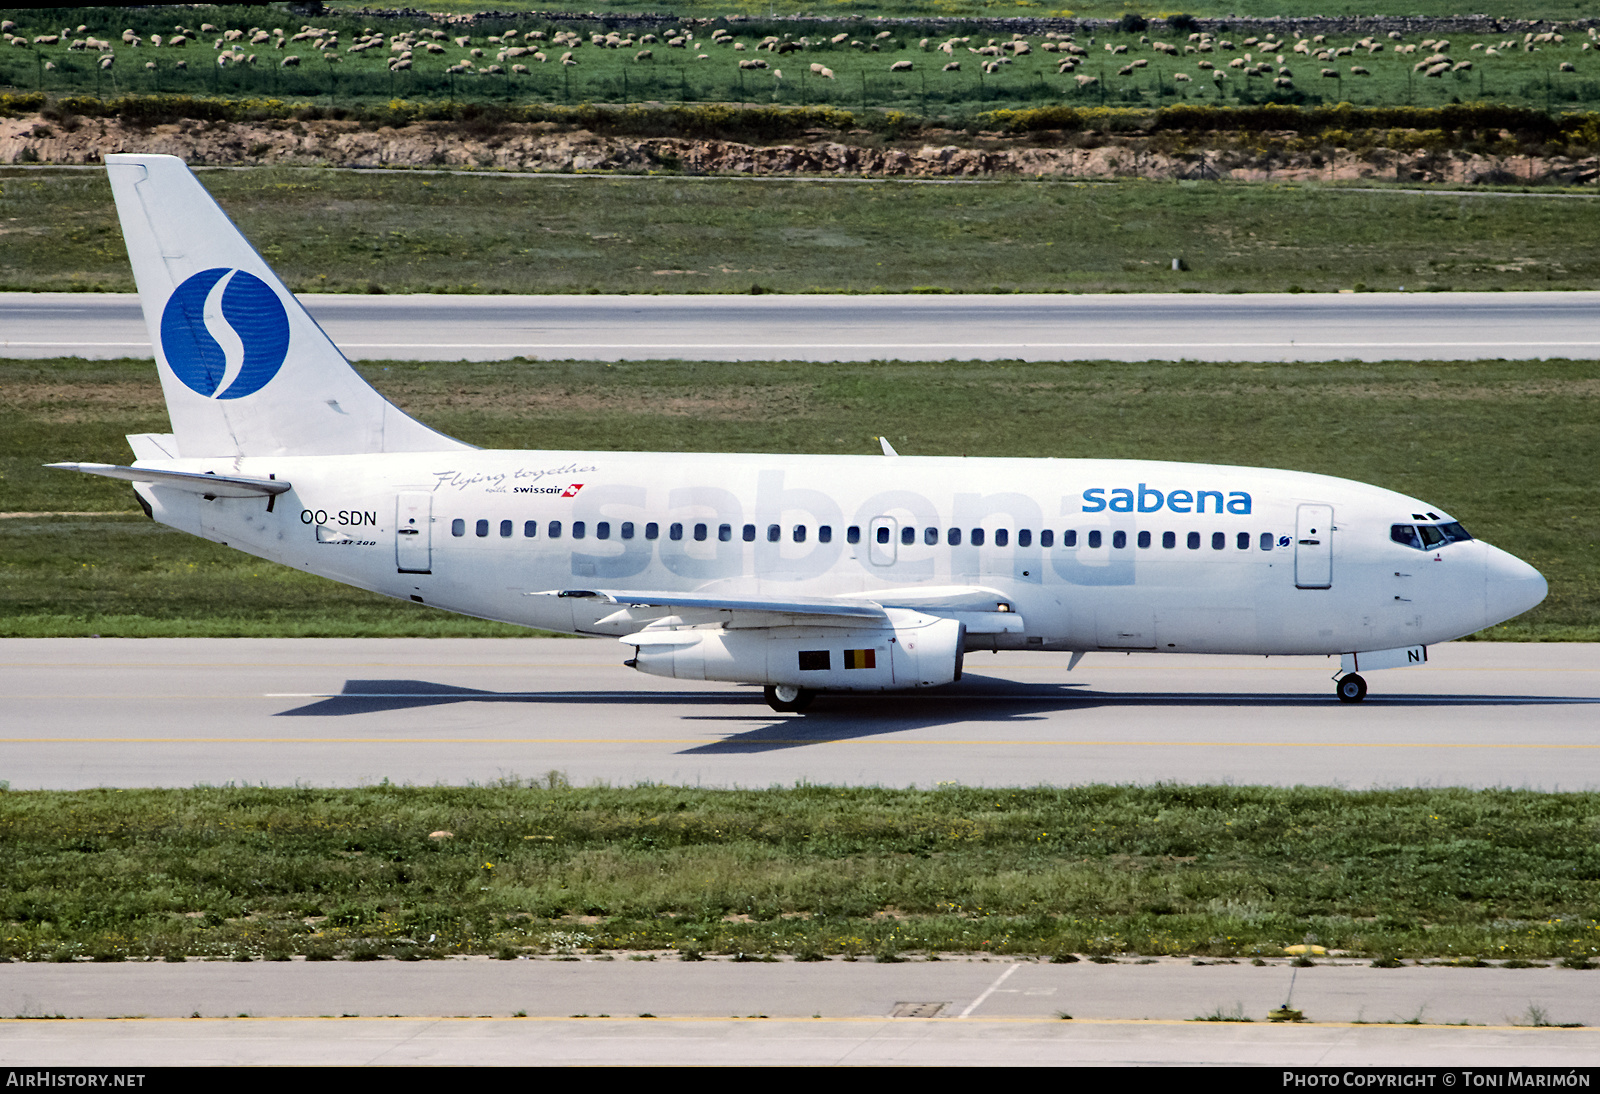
1511	586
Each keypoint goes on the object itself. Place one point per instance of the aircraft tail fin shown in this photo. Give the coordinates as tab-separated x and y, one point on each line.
245	369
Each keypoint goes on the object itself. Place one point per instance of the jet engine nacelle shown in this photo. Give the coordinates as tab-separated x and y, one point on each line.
913	651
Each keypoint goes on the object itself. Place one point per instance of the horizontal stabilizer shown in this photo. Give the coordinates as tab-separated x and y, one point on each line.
211	486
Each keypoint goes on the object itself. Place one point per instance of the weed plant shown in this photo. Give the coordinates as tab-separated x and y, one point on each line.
811	870
483	233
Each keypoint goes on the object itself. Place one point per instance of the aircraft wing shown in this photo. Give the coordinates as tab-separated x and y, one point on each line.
209	485
983	611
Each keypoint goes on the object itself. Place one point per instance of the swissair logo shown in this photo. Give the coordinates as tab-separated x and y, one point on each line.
572	491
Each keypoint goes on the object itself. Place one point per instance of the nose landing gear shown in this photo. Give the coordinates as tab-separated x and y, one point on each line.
1350	688
788	699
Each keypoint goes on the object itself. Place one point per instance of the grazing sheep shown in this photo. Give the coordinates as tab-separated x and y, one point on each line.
1182	77
1330	74
953	66
291	61
107	61
900	66
1282	81
643	55
1564	66
1086	81
1438	70
1357	70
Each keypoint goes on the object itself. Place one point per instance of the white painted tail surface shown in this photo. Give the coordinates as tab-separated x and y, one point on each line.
245	369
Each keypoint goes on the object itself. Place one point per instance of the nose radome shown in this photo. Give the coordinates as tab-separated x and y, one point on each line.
1511	586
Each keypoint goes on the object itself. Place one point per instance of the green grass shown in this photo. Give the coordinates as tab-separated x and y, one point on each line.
537	866
353	231
862	73
1509	447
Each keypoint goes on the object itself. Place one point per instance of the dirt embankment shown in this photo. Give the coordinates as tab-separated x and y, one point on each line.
543	147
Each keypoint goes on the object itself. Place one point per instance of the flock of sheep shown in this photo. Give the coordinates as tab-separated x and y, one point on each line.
1270	58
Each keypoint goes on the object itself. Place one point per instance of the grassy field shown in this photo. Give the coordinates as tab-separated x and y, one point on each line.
1509	447
357	232
539	867
1503	67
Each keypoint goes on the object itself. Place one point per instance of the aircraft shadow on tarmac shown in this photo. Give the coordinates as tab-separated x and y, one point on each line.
844	717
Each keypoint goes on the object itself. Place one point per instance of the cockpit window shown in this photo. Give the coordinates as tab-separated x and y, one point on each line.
1425	537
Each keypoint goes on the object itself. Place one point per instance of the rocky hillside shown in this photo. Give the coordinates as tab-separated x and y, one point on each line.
546	147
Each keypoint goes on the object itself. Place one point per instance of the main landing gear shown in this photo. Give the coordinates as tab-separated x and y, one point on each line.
1350	688
788	699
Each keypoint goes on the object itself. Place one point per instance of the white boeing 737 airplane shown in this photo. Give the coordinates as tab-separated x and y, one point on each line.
799	573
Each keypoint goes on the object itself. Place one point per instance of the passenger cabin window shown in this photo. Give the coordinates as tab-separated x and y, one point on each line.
554	529
602	530
775	533
1244	541
1194	541
1094	539
652	530
627	529
675	532
1144	539
953	537
578	529
799	533
1025	538
930	536
458	527
883	533
749	533
1266	541
908	535
1001	537
699	533
1047	538
483	528
1169	540
530	529
852	534
977	537
1069	538
505	529
724	533
1219	540
825	534
1119	540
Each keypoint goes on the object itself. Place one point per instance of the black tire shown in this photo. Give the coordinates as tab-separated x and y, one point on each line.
786	699
1350	688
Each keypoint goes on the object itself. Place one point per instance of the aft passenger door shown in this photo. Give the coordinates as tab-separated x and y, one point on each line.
413	533
1313	547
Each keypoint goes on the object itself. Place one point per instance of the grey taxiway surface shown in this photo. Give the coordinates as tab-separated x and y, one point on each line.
1133	327
620	1012
174	712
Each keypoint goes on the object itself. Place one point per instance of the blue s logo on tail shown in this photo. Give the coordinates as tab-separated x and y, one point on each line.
245	345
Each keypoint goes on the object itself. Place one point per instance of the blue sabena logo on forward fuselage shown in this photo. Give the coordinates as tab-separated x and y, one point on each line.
245	344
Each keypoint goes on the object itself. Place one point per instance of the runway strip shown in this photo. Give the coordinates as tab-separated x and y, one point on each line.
157	712
1258	327
980	1010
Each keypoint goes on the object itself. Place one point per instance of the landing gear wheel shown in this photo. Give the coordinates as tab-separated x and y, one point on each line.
1350	688
786	698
